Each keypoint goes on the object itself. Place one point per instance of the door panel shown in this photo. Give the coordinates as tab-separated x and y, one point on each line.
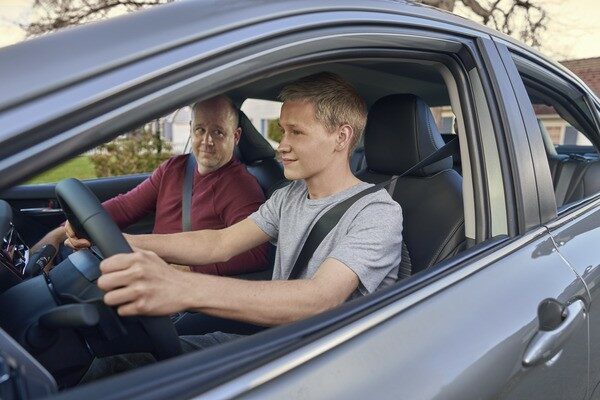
36	210
578	241
466	341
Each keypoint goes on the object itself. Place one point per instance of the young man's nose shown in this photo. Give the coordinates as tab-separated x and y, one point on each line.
283	147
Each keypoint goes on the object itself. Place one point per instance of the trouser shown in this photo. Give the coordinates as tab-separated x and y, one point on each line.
107	366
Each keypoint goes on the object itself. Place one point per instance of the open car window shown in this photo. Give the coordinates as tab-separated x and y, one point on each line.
137	151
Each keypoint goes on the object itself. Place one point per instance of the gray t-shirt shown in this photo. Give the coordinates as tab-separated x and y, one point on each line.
367	239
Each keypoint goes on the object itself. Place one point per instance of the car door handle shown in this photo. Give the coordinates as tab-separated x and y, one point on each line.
546	344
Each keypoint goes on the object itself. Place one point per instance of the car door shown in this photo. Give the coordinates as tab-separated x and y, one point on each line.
37	210
481	331
576	230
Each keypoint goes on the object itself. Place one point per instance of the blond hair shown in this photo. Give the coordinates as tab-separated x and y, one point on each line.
336	102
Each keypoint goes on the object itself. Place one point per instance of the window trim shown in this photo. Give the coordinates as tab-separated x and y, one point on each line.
574	88
514	147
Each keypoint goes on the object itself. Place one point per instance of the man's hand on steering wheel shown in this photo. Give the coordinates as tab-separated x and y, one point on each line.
74	242
141	283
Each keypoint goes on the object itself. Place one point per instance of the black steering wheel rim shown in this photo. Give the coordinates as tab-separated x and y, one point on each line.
86	213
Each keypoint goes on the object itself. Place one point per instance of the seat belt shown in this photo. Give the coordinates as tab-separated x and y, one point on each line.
331	218
576	178
186	198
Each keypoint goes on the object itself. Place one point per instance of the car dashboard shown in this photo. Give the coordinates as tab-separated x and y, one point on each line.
14	254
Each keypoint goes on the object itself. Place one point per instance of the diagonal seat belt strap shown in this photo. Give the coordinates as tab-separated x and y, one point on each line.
186	198
323	226
330	219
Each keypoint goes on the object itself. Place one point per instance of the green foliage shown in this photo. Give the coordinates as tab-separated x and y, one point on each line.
273	130
140	151
80	167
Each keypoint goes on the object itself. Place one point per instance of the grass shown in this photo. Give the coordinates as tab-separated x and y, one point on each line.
79	167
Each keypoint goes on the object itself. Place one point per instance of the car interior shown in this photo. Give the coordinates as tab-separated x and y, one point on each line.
64	324
575	168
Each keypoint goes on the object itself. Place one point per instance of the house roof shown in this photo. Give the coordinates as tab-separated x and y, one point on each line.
588	69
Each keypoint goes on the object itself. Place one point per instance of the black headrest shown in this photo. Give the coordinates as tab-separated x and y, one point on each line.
400	132
253	146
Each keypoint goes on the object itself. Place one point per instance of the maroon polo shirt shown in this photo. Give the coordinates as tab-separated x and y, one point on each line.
219	199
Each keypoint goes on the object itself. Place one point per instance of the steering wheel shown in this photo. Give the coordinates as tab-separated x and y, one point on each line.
88	217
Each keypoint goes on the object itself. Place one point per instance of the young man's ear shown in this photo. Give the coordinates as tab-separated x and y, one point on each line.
344	137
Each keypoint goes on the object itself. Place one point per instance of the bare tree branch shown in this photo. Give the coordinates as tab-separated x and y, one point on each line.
56	14
525	19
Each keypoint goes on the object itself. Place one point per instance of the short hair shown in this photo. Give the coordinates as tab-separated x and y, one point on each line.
336	102
232	108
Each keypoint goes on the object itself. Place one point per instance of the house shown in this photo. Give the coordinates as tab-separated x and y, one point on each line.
561	132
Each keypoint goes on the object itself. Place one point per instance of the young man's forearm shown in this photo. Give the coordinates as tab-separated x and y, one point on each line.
141	283
203	247
266	303
185	248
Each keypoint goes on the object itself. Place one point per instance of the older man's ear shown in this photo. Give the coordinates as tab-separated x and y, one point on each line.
237	135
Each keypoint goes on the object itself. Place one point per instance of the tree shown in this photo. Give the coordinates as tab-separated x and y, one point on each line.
139	151
57	14
524	19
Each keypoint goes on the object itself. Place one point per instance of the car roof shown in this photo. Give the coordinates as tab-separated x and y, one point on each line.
101	46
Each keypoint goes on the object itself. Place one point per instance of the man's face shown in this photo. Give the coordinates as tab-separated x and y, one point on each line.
306	147
214	134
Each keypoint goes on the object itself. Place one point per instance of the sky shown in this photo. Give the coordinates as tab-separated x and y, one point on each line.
573	26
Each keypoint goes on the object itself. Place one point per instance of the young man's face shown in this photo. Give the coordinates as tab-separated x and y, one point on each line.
306	147
214	135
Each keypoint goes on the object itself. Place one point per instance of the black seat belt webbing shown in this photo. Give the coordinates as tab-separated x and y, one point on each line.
576	178
331	218
186	198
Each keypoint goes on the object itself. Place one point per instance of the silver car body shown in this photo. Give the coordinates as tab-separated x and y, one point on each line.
462	331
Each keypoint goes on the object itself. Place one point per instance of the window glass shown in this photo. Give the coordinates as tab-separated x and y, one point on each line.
140	150
560	131
264	115
566	129
444	118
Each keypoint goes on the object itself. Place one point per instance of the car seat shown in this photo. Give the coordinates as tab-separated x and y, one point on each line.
400	132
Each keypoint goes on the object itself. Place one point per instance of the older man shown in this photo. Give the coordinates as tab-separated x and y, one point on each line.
223	192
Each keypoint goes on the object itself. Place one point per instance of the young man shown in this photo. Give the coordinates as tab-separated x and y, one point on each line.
322	119
223	194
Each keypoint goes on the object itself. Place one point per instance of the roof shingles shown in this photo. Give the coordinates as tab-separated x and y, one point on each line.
588	69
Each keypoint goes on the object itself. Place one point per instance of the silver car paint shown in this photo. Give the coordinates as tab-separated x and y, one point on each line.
443	345
577	240
452	346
